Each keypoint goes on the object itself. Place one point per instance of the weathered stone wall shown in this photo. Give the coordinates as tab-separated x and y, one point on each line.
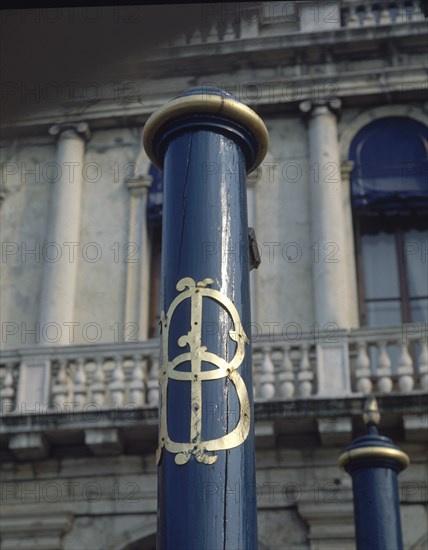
110	502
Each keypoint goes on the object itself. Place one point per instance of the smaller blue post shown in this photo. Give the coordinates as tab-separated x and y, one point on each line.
374	462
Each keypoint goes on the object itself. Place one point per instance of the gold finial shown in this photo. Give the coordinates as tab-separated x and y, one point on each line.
371	414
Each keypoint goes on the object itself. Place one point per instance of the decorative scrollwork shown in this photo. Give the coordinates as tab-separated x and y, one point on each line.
189	289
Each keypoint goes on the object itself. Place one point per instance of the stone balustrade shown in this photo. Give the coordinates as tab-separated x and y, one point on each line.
284	370
80	377
209	33
369	13
387	361
75	378
257	20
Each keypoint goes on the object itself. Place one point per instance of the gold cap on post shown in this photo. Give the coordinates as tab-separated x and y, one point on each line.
374	452
212	102
372	445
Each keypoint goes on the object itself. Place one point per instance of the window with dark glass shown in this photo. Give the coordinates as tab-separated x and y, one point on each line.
154	226
389	188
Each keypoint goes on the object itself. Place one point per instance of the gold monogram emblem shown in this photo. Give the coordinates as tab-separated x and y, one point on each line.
197	354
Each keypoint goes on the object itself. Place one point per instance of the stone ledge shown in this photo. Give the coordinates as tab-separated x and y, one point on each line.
29	446
333	421
104	441
331	525
416	427
334	433
340	36
34	532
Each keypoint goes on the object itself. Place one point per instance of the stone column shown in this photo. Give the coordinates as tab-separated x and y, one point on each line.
138	273
330	273
59	279
330	251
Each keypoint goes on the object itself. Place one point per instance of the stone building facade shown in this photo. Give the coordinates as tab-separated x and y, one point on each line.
339	303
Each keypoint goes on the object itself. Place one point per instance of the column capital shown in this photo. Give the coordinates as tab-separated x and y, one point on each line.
314	108
71	129
138	185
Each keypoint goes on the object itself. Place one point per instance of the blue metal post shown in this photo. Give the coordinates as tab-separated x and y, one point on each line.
374	462
205	141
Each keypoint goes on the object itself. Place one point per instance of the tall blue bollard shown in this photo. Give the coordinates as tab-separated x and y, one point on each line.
374	462
205	141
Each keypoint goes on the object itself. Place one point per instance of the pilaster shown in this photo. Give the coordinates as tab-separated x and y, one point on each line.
137	275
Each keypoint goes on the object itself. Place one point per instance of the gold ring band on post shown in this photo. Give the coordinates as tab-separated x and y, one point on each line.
370	452
207	104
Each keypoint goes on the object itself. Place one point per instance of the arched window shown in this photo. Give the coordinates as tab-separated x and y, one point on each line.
390	209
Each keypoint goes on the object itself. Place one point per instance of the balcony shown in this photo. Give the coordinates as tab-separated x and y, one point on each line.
220	24
369	13
99	397
384	361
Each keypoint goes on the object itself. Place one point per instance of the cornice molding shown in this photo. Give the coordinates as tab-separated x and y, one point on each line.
314	39
52	523
285	91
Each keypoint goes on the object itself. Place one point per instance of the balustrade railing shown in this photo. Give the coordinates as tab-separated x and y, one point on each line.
380	361
388	360
284	370
101	376
263	19
223	31
369	13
